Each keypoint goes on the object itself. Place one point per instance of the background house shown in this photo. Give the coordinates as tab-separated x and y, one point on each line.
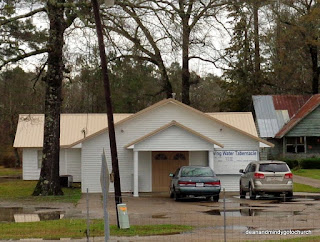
291	122
151	144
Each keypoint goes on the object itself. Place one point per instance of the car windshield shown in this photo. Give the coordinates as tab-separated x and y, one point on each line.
273	167
197	171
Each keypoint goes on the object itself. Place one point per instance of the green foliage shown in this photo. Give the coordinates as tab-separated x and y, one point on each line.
293	164
311	173
17	95
134	86
310	163
22	190
76	228
10	171
239	79
297	187
307	163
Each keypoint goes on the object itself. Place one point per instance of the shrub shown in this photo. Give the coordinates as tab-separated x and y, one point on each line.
310	163
292	163
306	163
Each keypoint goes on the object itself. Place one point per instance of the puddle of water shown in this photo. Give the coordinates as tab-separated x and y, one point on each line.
20	214
162	216
252	212
256	206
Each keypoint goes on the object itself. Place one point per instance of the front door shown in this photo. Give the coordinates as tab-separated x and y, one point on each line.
164	163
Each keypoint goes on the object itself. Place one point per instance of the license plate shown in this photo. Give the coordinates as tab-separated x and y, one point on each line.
199	184
274	178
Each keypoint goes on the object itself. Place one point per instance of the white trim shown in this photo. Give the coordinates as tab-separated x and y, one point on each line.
262	145
211	159
66	161
135	173
77	146
150	159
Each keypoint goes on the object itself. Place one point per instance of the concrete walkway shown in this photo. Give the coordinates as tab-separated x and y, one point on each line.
306	181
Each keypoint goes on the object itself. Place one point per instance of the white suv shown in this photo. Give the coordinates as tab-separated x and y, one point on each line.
266	177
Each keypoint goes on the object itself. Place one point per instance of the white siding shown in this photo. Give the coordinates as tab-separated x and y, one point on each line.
63	164
198	158
174	138
229	182
30	168
144	124
30	164
73	156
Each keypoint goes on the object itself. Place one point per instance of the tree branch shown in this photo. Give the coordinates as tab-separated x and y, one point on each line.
9	20
21	57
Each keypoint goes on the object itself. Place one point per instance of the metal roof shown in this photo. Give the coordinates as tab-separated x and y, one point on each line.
292	103
240	120
76	128
307	108
274	111
268	121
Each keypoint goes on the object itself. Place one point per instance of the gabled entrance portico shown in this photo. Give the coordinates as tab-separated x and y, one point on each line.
171	139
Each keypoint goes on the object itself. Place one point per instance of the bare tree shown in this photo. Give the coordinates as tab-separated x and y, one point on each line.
130	21
191	21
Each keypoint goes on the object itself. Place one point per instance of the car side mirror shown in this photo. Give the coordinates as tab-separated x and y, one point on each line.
241	171
171	175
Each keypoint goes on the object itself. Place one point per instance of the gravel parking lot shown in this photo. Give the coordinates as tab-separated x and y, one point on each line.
243	217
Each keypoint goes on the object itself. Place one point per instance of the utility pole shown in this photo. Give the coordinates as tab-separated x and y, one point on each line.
112	136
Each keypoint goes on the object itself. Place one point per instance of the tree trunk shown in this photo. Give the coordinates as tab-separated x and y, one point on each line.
315	69
167	85
185	61
257	67
49	183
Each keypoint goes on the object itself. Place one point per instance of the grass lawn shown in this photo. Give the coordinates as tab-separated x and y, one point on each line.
76	228
22	190
297	187
10	171
311	173
299	239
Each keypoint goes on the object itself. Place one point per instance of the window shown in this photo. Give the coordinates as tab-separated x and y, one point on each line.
295	145
40	158
273	167
161	156
197	171
247	168
252	168
179	156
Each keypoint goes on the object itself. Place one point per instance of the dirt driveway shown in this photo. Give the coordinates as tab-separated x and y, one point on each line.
243	216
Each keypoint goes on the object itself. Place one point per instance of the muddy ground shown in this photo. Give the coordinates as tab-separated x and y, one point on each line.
243	216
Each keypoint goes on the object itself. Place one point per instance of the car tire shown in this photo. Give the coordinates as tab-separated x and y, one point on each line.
252	194
242	193
171	194
176	196
209	198
289	196
216	198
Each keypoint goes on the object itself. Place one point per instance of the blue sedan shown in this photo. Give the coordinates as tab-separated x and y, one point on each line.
197	181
